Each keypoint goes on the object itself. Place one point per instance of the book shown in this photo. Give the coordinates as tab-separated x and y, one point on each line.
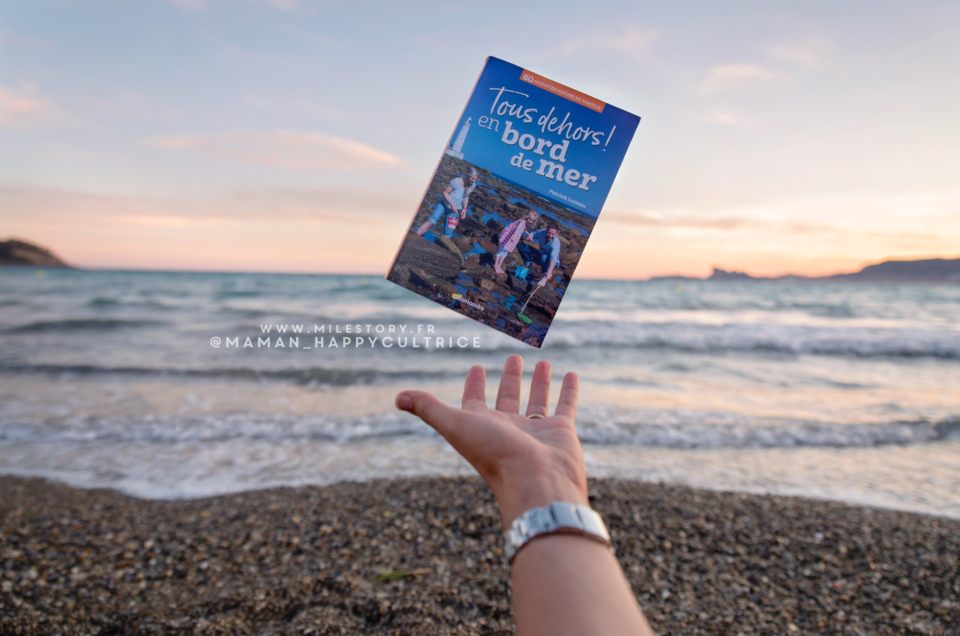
513	201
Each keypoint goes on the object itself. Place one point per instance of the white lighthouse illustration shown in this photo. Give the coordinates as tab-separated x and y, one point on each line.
456	150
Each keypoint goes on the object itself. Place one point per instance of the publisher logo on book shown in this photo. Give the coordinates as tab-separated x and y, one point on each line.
460	298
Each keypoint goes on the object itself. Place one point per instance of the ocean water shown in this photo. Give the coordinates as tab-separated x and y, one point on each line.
837	391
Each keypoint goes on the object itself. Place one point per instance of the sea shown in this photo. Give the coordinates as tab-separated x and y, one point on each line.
146	382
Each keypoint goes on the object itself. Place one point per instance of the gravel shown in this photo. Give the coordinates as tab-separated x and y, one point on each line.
423	556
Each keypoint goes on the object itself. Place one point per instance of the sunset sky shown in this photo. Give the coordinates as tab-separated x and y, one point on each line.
297	136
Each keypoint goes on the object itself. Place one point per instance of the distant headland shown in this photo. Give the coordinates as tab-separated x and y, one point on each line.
931	270
17	252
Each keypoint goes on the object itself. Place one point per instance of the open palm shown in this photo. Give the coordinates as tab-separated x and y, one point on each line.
527	462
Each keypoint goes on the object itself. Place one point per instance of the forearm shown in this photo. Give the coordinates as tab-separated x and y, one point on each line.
563	584
566	584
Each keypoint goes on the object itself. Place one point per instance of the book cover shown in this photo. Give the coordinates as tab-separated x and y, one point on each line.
513	201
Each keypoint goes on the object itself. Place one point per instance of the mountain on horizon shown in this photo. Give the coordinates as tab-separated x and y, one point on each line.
930	270
16	252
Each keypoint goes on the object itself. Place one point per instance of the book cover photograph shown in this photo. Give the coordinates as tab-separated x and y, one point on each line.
513	201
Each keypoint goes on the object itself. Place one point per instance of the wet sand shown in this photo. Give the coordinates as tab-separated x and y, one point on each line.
423	556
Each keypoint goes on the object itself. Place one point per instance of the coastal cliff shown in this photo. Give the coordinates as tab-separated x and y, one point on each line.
17	252
931	270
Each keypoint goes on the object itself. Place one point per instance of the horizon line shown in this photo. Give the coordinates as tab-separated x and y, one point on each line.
160	270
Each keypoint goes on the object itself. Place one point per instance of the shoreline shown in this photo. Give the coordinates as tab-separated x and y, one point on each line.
308	559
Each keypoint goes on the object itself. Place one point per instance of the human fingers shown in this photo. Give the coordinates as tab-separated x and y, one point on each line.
474	389
430	409
508	396
567	404
539	402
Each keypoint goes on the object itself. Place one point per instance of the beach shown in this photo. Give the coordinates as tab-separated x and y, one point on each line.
423	556
158	480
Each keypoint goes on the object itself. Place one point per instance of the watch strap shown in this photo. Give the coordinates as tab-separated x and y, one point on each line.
558	517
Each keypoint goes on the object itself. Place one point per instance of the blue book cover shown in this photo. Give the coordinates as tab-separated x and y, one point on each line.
515	196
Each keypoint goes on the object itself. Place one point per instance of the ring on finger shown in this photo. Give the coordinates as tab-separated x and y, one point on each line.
536	416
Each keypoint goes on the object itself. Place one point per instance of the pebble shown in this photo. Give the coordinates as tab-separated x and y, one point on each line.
307	561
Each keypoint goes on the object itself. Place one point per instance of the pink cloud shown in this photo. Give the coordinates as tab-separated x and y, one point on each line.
263	230
731	76
284	149
20	107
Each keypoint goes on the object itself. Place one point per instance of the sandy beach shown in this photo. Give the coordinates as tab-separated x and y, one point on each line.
423	556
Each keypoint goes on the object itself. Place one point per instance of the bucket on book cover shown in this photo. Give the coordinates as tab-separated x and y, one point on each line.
452	221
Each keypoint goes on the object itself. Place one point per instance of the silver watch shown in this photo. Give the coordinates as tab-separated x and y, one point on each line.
558	517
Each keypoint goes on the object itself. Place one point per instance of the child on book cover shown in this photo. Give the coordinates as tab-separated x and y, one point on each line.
453	203
510	236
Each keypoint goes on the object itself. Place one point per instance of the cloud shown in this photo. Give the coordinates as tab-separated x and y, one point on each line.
120	103
727	77
343	229
806	54
639	219
173	142
296	107
12	39
335	230
726	118
40	206
21	107
284	149
629	41
283	5
190	5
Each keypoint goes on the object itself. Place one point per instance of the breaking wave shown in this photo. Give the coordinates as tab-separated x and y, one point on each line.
79	324
603	424
311	375
786	339
596	424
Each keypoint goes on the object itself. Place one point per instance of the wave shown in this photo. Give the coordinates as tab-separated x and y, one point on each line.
311	375
786	339
596	424
78	324
103	302
603	424
220	427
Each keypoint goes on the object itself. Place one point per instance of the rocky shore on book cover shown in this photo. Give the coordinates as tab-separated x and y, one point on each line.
515	196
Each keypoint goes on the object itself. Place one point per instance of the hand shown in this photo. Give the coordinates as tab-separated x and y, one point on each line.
527	463
543	281
463	213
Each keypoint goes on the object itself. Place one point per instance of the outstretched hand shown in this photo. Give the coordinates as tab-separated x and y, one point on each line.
526	462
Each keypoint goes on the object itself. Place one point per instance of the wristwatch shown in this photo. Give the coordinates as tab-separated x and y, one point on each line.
557	518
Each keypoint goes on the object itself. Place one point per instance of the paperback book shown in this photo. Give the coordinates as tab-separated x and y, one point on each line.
513	201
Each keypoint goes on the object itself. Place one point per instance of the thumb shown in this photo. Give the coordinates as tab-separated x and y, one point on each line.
430	409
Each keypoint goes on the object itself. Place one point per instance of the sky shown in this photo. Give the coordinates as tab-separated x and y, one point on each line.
299	135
